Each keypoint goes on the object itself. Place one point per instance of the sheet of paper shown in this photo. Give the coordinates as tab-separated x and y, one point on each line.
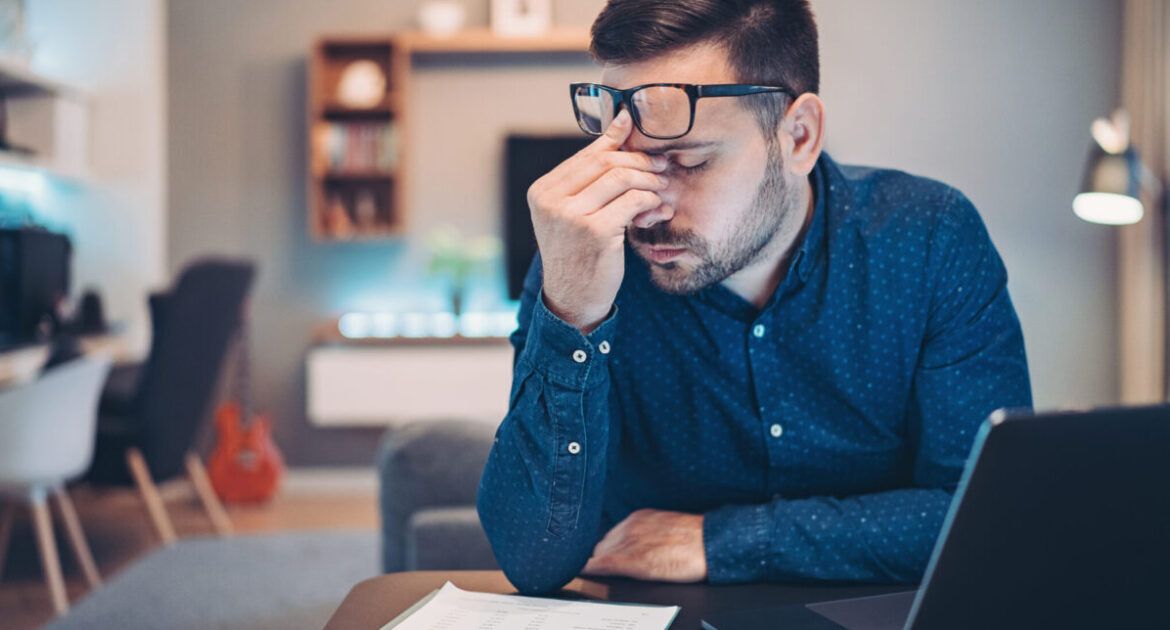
452	608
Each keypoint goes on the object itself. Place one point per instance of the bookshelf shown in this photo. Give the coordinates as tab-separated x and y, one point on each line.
352	149
359	156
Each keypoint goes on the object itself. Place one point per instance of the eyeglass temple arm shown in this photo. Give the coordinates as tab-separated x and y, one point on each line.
739	90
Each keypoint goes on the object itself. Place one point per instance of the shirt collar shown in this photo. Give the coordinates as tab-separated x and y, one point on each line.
808	256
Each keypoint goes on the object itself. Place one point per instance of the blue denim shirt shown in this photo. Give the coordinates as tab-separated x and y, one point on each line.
821	437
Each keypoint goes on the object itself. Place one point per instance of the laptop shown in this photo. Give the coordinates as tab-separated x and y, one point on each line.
1060	520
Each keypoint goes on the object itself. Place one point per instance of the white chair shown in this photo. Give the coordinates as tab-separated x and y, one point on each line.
47	438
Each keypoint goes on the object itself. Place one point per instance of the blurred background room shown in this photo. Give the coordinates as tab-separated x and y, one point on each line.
259	262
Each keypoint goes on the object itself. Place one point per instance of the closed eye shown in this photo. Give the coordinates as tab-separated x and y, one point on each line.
693	168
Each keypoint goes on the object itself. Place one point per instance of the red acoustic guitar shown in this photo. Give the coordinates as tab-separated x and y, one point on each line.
245	465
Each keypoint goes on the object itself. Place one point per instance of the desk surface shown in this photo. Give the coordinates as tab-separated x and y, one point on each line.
23	364
374	602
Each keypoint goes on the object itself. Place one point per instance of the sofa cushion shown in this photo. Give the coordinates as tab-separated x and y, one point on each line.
447	538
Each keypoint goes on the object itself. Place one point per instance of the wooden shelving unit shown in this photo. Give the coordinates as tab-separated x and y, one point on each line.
47	120
352	175
359	176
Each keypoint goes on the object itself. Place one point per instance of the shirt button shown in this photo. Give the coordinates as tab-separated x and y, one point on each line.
579	356
574	448
603	347
776	430
759	330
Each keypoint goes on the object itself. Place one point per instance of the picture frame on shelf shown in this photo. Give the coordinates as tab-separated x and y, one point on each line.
521	18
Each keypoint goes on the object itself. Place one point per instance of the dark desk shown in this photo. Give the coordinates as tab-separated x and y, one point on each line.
374	602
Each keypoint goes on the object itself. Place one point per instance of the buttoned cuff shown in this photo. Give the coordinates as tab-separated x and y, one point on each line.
562	353
736	539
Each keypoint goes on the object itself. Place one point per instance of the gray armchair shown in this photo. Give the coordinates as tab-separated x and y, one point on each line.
429	473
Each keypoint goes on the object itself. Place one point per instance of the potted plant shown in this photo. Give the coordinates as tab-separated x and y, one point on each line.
458	258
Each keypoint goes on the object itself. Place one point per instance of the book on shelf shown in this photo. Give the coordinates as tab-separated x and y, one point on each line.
357	147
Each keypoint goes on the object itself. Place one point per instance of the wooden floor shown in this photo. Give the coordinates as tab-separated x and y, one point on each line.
117	528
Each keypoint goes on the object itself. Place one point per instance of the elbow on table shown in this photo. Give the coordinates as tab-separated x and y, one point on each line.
530	576
533	568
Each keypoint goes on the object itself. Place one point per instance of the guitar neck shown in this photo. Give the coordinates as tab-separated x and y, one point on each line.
244	373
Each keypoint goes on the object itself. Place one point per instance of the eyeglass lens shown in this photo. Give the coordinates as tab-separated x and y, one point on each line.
661	110
595	109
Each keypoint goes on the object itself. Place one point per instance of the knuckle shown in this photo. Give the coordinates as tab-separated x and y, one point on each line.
608	159
624	176
536	192
595	229
580	224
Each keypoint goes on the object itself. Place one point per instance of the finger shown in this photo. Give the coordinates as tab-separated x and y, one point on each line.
618	213
573	175
612	185
611	141
615	135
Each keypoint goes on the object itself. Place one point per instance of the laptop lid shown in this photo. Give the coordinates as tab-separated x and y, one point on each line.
1061	520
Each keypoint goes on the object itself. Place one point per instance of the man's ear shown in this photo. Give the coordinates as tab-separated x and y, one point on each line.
803	128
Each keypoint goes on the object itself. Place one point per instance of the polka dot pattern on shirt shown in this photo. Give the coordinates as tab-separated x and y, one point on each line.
821	436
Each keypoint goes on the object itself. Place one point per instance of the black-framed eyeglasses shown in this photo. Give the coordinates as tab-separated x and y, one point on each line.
663	111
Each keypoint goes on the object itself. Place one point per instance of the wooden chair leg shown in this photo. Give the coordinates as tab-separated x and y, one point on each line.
7	516
150	496
47	545
77	538
211	504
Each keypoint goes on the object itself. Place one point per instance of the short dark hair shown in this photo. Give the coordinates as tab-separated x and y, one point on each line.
768	42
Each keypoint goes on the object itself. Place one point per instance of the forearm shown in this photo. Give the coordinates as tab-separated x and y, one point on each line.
880	537
542	488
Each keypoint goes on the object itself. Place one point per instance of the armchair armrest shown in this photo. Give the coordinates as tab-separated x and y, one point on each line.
427	465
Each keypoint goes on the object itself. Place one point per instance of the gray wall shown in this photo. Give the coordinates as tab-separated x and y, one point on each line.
994	97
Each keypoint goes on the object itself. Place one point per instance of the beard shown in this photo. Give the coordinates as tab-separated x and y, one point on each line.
750	234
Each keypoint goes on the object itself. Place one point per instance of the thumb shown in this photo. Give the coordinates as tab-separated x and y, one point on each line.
615	135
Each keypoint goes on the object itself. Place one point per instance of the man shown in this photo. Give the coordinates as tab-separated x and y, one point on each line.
738	360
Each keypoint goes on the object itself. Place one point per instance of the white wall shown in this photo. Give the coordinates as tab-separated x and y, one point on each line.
992	97
116	52
996	98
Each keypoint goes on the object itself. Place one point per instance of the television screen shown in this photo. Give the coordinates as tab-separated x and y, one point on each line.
527	158
34	275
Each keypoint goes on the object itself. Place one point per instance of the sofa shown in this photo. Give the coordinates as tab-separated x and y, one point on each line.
428	475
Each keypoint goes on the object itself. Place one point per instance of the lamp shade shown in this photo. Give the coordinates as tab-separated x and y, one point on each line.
1111	189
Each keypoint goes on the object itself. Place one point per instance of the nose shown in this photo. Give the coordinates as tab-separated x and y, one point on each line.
650	218
664	212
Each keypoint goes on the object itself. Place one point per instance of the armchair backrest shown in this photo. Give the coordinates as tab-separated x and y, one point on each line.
193	328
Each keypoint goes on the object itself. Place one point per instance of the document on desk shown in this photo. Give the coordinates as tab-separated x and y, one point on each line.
452	608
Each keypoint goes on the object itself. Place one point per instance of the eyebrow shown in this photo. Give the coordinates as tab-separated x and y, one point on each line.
679	146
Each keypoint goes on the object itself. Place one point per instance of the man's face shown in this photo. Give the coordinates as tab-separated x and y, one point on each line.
727	196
